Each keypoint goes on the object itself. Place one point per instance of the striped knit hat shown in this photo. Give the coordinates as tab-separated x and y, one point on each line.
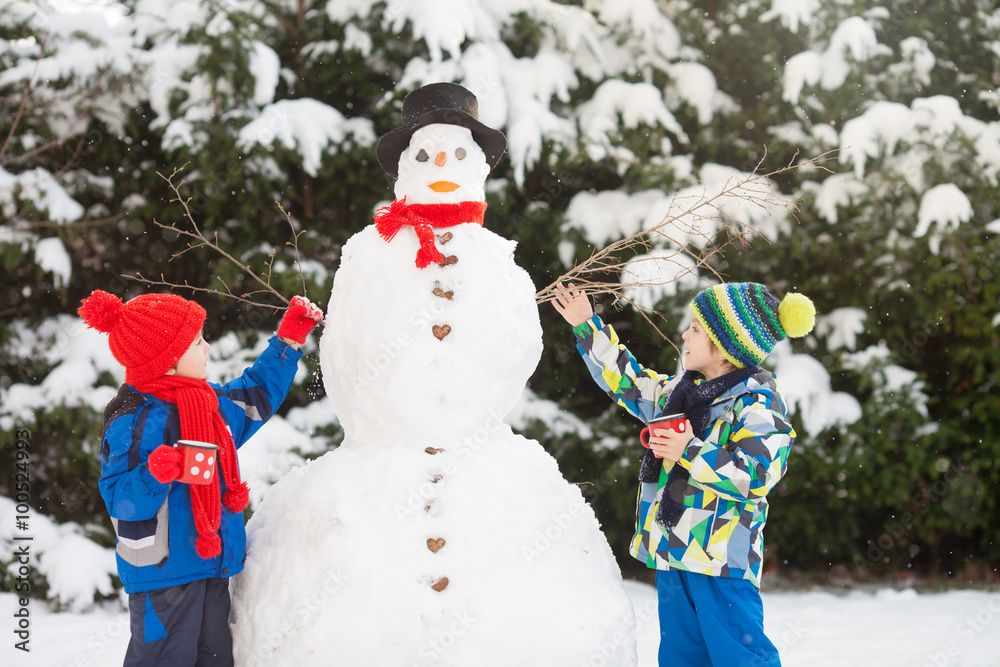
746	321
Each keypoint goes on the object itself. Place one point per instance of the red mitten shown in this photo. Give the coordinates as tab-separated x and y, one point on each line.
165	464
299	319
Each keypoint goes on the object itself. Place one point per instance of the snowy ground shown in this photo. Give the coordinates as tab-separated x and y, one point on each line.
886	628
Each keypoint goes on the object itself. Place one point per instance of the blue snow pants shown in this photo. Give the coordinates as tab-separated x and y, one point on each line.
181	626
711	621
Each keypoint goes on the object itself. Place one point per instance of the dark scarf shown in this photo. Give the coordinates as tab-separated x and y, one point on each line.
695	401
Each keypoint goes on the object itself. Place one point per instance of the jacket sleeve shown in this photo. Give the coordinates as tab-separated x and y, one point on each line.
745	460
630	384
250	400
130	491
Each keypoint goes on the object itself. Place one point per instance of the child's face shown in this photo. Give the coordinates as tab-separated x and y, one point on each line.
700	353
194	362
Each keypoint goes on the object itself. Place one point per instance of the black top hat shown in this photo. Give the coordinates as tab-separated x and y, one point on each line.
447	103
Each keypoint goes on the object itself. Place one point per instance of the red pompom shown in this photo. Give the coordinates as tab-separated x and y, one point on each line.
101	310
208	546
237	499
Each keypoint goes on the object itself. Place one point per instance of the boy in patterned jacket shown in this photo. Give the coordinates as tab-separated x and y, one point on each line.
177	543
702	501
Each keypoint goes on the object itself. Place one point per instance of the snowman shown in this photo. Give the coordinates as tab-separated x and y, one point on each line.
433	535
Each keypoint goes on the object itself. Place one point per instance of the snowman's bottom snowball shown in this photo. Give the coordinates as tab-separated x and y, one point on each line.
339	571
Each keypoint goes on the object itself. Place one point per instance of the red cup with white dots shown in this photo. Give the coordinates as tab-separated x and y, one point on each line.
198	462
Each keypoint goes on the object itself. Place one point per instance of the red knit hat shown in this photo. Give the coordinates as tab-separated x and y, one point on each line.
148	334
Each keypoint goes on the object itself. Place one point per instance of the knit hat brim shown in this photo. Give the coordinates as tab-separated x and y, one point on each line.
158	365
741	319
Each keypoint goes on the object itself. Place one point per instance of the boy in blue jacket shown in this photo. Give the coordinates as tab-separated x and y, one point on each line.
178	543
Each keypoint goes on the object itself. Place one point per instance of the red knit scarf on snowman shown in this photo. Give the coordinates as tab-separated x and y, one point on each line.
198	407
423	218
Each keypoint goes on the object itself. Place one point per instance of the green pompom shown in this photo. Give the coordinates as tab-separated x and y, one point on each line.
797	314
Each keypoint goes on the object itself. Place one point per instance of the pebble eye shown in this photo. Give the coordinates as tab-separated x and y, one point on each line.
460	153
422	156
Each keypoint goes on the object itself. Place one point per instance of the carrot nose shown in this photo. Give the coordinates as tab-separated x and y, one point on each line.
440	159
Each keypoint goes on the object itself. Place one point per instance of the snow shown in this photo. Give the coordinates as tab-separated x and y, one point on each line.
277	449
839	190
946	205
927	127
891	383
531	409
841	327
357	510
695	84
78	356
812	628
791	13
74	567
356	39
805	385
729	197
873	133
726	196
635	103
608	215
51	257
38	186
265	66
918	61
853	40
802	69
660	272
658	35
307	126
443	25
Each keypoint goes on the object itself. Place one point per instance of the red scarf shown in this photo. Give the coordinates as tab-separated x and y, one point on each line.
198	407
423	218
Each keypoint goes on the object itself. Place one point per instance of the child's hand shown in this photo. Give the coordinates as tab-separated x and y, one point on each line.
672	445
574	306
300	318
165	464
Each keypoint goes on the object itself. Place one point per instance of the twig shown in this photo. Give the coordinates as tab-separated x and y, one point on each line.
199	240
228	293
755	189
294	243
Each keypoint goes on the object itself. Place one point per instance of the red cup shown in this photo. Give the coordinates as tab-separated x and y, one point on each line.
661	425
198	461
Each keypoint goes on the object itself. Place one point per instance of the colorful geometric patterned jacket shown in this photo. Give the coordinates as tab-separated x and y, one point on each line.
153	521
733	465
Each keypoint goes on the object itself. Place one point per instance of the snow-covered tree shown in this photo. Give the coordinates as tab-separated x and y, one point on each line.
614	110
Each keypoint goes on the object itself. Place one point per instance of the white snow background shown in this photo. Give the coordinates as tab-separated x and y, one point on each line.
884	628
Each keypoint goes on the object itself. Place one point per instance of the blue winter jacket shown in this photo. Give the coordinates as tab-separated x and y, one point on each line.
153	521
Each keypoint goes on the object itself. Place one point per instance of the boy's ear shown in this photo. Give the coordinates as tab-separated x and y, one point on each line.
172	371
717	354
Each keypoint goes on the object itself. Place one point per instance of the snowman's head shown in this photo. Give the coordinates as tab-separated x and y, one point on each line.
442	164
